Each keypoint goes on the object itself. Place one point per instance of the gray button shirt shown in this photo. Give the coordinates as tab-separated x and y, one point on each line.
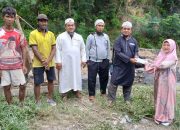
97	47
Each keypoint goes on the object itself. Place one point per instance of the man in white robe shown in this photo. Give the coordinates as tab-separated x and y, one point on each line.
70	56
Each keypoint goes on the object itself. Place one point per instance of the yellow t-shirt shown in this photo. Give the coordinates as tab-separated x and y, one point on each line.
44	44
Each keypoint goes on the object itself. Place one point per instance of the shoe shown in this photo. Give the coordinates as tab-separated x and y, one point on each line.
91	98
51	102
38	104
165	123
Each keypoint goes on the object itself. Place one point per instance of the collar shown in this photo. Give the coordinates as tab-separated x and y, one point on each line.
127	38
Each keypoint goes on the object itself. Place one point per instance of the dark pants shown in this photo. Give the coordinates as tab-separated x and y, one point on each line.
39	75
112	92
102	69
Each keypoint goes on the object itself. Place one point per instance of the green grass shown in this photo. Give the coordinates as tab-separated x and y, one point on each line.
14	117
142	105
177	115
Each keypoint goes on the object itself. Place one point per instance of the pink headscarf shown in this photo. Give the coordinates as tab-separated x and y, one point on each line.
172	55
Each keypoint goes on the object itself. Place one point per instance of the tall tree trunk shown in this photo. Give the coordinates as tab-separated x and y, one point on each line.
69	2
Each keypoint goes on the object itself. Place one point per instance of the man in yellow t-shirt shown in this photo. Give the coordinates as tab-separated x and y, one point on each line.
42	42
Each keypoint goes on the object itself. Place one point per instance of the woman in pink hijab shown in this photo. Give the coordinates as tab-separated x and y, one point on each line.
164	69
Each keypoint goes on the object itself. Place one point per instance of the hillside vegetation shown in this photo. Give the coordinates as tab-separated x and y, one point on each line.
153	20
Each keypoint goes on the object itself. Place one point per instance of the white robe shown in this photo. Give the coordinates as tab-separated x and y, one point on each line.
70	52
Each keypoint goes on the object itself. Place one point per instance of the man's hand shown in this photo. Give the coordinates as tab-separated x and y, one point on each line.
58	66
133	60
45	63
83	64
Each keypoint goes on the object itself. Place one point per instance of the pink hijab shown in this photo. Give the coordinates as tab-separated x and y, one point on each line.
172	55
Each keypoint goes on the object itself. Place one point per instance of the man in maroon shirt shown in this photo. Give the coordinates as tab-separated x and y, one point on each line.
12	56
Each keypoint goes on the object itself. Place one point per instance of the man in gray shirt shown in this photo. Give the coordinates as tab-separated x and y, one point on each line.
98	55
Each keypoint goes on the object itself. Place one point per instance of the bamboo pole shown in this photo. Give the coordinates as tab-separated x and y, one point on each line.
28	58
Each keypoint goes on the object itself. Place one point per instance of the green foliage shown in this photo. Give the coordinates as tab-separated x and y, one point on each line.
159	20
170	27
141	106
14	117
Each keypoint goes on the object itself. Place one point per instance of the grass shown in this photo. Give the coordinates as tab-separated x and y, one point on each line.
85	116
142	103
15	118
177	120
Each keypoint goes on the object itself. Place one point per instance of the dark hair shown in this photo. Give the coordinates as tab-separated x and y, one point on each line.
9	10
11	38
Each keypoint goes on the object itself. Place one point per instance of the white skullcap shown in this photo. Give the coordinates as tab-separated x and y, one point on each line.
69	20
127	24
98	21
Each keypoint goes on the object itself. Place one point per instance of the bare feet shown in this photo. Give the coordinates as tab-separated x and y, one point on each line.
91	98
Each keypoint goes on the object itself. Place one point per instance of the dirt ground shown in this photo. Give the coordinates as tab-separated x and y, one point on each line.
85	115
75	114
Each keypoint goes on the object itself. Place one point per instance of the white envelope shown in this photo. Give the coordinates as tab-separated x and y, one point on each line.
142	61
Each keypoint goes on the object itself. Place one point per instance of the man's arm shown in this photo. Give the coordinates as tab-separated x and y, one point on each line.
36	53
109	48
118	51
83	53
58	56
24	52
121	55
53	51
88	46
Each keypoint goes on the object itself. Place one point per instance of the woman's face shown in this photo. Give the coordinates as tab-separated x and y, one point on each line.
166	47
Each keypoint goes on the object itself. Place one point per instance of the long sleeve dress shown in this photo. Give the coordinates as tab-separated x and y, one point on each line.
164	90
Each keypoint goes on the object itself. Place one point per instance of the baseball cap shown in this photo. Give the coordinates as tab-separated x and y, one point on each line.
42	16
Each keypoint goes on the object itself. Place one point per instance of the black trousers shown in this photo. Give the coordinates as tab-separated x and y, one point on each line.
102	69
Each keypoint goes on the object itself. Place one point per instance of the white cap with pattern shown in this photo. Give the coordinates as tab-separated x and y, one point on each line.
127	24
98	21
69	20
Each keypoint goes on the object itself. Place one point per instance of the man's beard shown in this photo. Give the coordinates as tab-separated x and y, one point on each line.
71	34
99	33
42	27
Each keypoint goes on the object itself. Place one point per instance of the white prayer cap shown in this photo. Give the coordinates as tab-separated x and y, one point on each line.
127	24
69	20
98	21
